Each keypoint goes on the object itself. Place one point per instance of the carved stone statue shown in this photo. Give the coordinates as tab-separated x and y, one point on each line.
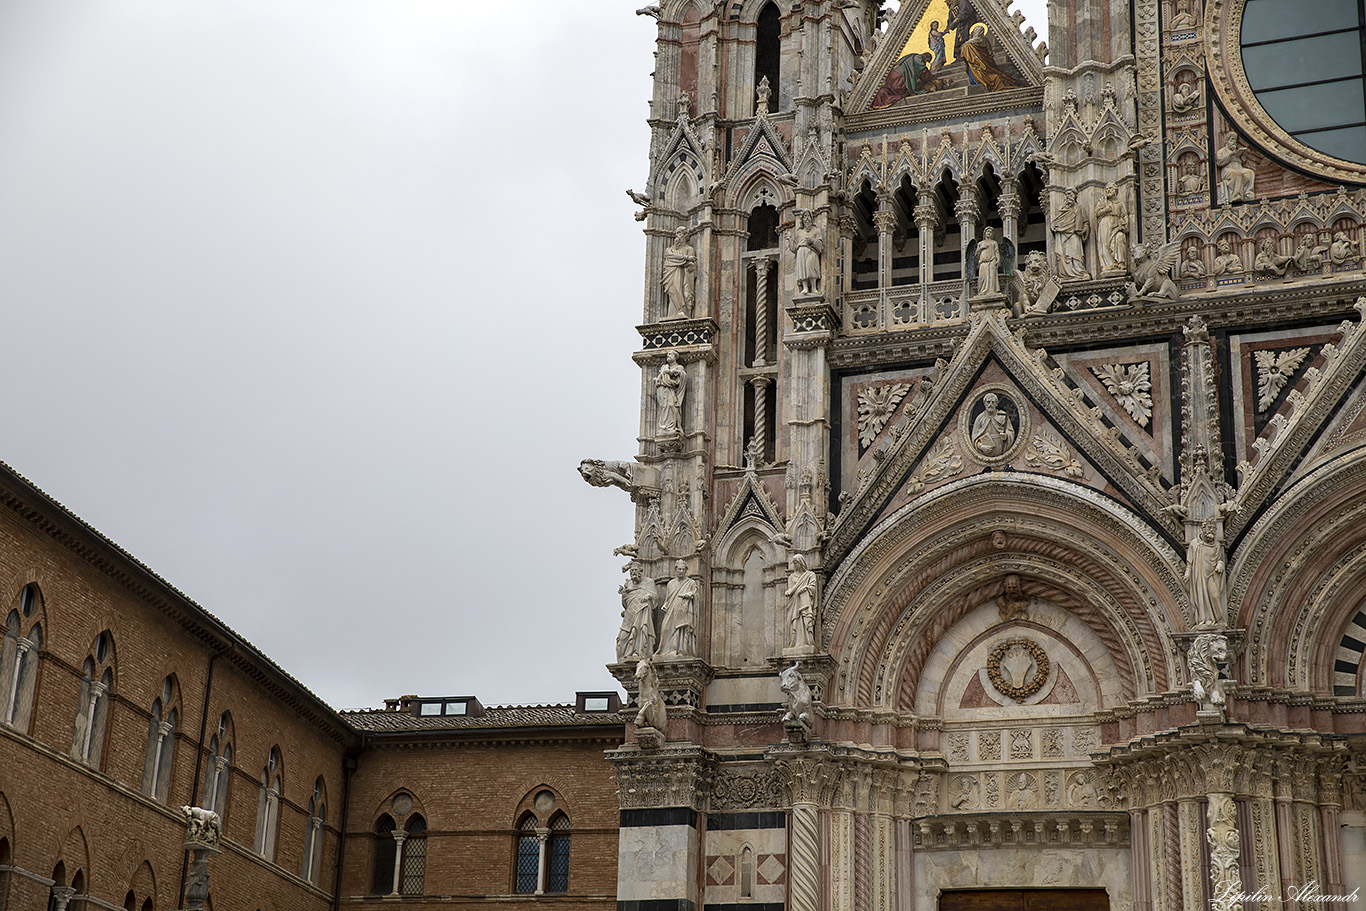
679	277
652	713
1185	99
1236	179
1191	182
762	94
677	631
1309	255
1013	604
1341	250
807	245
1268	261
988	263
683	106
202	827
1205	577
1192	266
1226	262
798	695
1112	232
636	639
1207	652
1153	271
801	605
600	473
670	386
993	432
1039	289
1070	231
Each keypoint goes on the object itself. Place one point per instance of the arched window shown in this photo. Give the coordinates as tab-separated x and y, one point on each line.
220	768
97	684
268	805
557	855
313	832
400	852
386	857
542	846
414	856
19	660
768	53
528	856
6	861
161	728
747	872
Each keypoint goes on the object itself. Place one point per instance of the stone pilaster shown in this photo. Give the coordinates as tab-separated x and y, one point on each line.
660	794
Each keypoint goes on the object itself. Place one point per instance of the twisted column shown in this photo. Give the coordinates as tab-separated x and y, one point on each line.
760	312
805	859
760	384
1226	879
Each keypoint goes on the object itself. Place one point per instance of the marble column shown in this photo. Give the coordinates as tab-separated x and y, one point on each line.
400	836
1192	876
926	223
1010	204
967	210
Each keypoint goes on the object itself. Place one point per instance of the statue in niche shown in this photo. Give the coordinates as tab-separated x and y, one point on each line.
1153	271
1205	577
1112	232
1191	182
1235	177
1342	250
807	245
993	433
680	277
677	634
988	264
1226	262
652	713
1268	261
1070	231
670	386
801	605
1013	604
762	94
1309	255
798	695
1192	266
1183	20
1186	98
683	107
636	639
1207	653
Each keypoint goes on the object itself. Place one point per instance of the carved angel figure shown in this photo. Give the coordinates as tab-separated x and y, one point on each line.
1153	271
798	697
652	713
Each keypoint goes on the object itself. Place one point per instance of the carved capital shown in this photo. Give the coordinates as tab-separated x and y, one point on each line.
671	777
809	779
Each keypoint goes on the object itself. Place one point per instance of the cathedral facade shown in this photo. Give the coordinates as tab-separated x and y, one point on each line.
1001	493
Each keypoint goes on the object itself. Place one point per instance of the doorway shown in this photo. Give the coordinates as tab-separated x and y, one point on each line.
1025	900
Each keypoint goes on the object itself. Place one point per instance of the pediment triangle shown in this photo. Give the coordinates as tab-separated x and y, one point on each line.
984	51
947	405
682	149
1316	398
751	501
763	141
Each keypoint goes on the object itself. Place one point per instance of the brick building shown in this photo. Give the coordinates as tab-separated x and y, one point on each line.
123	700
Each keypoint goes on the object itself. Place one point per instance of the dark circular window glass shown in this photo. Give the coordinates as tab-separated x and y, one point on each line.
1305	61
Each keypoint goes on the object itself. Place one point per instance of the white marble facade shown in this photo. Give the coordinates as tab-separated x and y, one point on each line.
998	489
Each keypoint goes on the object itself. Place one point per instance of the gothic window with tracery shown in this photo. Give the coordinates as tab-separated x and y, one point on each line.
268	805
19	659
161	728
92	714
313	832
219	770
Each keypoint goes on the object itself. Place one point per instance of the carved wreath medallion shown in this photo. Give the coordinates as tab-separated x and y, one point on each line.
1018	668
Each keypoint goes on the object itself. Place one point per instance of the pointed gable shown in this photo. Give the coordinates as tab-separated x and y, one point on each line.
943	49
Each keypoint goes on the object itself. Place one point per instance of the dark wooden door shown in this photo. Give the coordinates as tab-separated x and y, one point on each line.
1025	900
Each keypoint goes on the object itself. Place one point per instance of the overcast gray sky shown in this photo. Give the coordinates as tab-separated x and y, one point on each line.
314	305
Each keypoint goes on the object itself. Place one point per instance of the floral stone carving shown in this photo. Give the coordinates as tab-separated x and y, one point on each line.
876	406
1131	385
1018	668
1274	369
